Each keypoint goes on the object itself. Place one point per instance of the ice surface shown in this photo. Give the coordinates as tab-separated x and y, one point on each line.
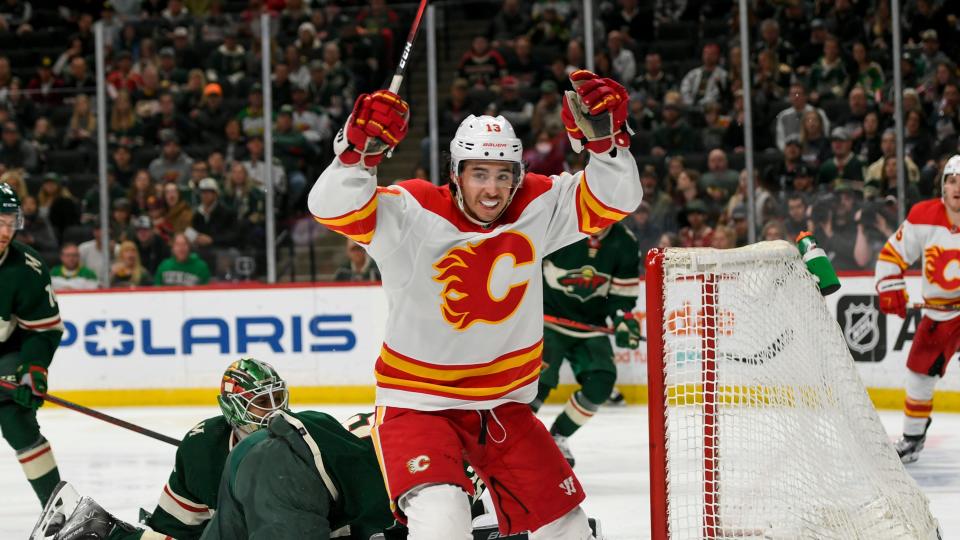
125	471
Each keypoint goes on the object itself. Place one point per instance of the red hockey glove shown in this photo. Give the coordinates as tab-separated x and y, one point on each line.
33	383
893	297
378	123
595	114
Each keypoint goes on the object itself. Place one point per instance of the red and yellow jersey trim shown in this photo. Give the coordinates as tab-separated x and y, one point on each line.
487	381
891	255
358	225
592	215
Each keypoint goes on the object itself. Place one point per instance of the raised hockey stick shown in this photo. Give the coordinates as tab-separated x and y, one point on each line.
405	57
938	307
98	415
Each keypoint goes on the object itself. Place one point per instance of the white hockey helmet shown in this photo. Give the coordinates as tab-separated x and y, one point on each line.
485	138
951	167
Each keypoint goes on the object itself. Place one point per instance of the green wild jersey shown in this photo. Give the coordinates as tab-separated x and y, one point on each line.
590	280
29	314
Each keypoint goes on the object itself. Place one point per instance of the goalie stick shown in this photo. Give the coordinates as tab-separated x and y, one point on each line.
98	415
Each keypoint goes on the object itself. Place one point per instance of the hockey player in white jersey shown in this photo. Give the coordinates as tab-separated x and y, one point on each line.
464	337
931	230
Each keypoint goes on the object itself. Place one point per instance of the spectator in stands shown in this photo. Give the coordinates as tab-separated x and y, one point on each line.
932	91
120	226
157	212
774	230
663	213
90	208
358	267
57	205
669	239
70	274
687	188
44	138
674	135
122	164
930	56
946	118
214	223
282	86
184	53
697	233
124	123
227	63
707	82
294	13
78	78
546	113
780	174
141	189
481	66
19	106
869	145
624	63
518	111
547	155
294	152
719	171
844	23
235	144
127	271
175	16
217	166
723	238
654	83
247	202
313	122
45	88
171	76
917	142
888	148
82	128
211	117
642	226
816	147
251	116
299	72
152	248
308	44
338	80
828	77
15	152
796	219
167	118
15	16
508	24
627	17
123	77
37	232
812	49
178	214
868	74
852	118
182	268
804	181
878	188
840	238
91	251
790	120
770	40
172	165
876	223
844	163
257	168
550	29
771	79
198	171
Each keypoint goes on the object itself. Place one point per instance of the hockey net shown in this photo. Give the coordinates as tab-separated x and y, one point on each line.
760	426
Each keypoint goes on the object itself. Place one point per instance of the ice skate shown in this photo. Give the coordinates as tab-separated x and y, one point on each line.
564	447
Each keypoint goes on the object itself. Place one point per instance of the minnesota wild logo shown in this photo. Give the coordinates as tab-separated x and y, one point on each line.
584	283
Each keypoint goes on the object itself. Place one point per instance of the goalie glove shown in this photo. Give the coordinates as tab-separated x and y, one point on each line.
893	296
595	113
33	384
626	330
378	123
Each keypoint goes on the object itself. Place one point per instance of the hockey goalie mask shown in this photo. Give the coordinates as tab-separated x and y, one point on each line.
485	138
251	393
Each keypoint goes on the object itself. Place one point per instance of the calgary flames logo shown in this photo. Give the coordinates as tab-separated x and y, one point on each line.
466	272
942	267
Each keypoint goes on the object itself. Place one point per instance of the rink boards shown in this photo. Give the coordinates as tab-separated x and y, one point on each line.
169	346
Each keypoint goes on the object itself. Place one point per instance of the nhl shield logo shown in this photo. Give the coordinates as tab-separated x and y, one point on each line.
863	328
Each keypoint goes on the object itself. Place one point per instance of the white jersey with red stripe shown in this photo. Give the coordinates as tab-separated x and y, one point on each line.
928	233
465	325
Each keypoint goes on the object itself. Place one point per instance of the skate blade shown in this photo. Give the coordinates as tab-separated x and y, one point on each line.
59	507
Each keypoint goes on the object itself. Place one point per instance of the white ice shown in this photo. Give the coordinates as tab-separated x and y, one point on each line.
125	471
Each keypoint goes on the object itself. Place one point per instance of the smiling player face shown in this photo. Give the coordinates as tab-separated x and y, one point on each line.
486	188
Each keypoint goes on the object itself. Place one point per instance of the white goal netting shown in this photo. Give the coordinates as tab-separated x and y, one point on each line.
768	431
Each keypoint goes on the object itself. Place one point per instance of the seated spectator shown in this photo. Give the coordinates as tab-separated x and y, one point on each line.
510	22
57	205
45	87
783	51
338	80
294	152
674	135
123	123
282	86
149	98
518	111
663	213
21	108
869	146
123	77
308	44
313	122
697	233
687	187
174	17
879	188
771	79
723	238
719	171
15	152
152	248
37	232
90	208
550	29
888	149
546	113
644	228
157	212
198	171
917	142
828	77
852	119
844	163
654	82
91	252
172	165
251	116
796	219
211	116
780	174
227	64
167	118
359	266
816	147
789	121
624	63
707	82
44	138
70	274
174	78
669	239
774	230
876	222
481	66
120	226
547	155
946	118
234	147
184	53
247	202
122	164
217	166
141	189
812	49
78	79
522	65
930	55
804	182
179	214
868	74
182	268
127	270
257	168
834	226
214	223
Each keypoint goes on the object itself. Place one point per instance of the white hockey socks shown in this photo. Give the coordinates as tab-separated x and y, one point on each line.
437	512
